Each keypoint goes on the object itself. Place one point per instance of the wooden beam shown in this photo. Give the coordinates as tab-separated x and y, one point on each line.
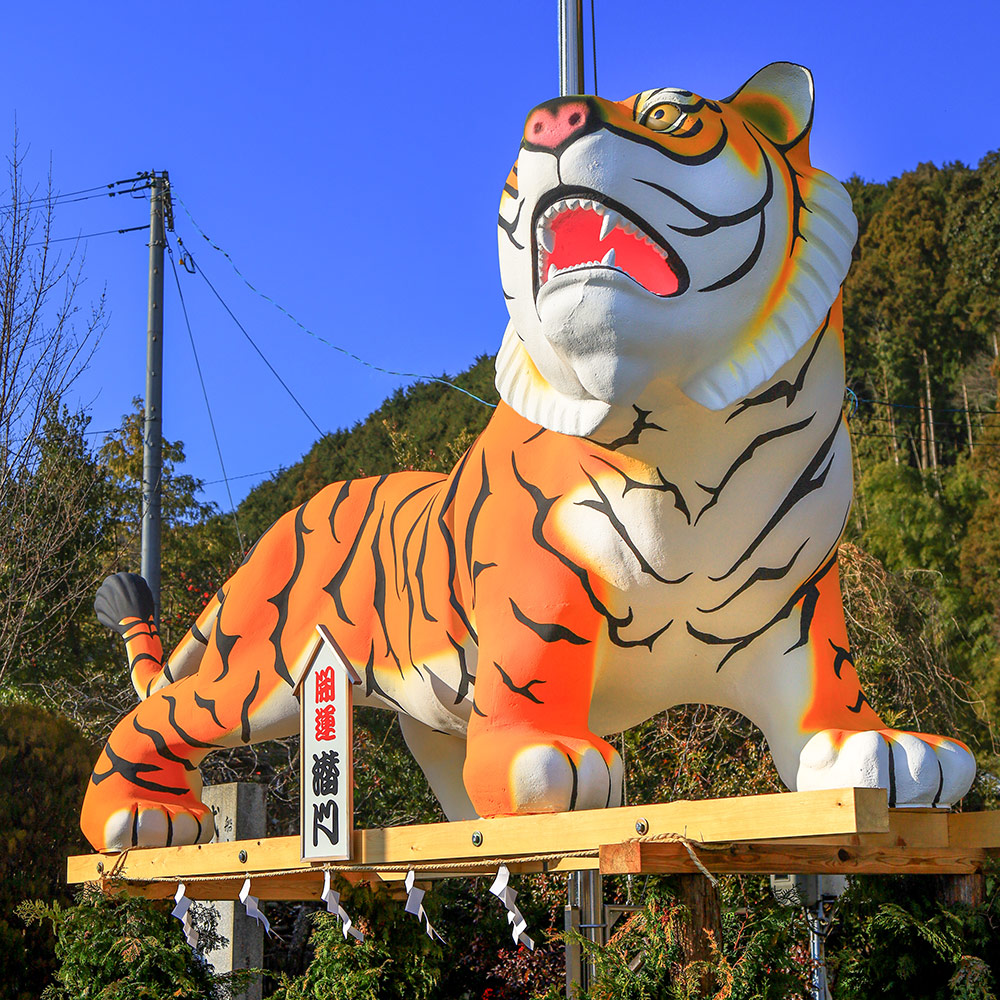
764	858
752	817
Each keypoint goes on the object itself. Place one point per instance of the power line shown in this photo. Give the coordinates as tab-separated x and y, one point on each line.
316	336
85	236
246	475
204	392
253	344
71	197
921	406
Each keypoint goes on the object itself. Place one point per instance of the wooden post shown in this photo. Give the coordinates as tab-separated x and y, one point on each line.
240	814
961	890
702	923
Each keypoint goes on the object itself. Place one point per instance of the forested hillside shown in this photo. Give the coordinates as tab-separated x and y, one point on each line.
921	574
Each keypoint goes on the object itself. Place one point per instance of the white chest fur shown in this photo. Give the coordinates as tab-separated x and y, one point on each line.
705	523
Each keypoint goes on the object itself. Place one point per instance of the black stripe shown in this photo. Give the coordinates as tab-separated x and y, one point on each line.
130	771
576	784
372	685
663	486
245	710
449	540
524	690
477	506
841	656
160	743
639	424
139	657
604	506
543	505
170	827
420	565
940	788
407	583
745	456
811	479
378	595
747	266
509	227
760	574
538	433
209	705
135	826
224	644
172	719
548	631
512	191
712	222
197	636
807	594
784	389
467	679
340	498
333	587
392	532
862	700
280	600
892	774
653	142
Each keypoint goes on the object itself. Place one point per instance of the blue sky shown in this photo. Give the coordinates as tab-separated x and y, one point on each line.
350	159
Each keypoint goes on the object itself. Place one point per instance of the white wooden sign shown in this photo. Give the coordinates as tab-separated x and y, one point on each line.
326	773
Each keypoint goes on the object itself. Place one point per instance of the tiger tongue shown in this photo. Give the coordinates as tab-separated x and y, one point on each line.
575	237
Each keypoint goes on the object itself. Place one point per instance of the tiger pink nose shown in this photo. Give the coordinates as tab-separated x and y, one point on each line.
555	122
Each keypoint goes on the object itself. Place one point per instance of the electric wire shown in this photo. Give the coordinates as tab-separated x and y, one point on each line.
245	475
304	328
85	236
253	344
72	197
204	392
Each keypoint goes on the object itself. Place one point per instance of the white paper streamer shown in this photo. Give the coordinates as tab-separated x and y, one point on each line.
180	911
414	904
331	897
252	907
502	890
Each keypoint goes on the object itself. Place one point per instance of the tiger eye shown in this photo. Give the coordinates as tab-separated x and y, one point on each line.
661	117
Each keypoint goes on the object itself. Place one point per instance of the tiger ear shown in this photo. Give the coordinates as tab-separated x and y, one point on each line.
778	100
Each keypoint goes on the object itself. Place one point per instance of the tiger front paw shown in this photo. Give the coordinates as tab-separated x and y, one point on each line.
915	768
511	772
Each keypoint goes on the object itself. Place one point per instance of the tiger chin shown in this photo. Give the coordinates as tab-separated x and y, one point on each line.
650	518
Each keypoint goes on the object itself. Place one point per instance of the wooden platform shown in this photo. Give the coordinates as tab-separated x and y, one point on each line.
847	830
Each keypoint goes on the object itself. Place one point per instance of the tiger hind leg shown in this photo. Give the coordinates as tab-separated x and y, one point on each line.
441	757
145	787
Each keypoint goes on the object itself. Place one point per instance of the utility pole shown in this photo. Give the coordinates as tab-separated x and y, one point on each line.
585	910
570	47
160	218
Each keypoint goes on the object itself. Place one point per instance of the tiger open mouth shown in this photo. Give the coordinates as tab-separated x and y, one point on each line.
577	229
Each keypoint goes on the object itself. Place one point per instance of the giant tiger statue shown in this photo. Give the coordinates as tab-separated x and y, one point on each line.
651	516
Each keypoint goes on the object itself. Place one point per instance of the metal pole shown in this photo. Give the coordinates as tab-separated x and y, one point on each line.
585	911
153	420
570	47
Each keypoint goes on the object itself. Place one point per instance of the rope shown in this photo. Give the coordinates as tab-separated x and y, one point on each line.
688	844
431	866
427	866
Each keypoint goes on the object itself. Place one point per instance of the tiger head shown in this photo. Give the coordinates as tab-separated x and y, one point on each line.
666	237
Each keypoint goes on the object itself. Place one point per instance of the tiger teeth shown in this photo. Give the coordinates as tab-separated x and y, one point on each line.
608	260
608	222
546	239
553	271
